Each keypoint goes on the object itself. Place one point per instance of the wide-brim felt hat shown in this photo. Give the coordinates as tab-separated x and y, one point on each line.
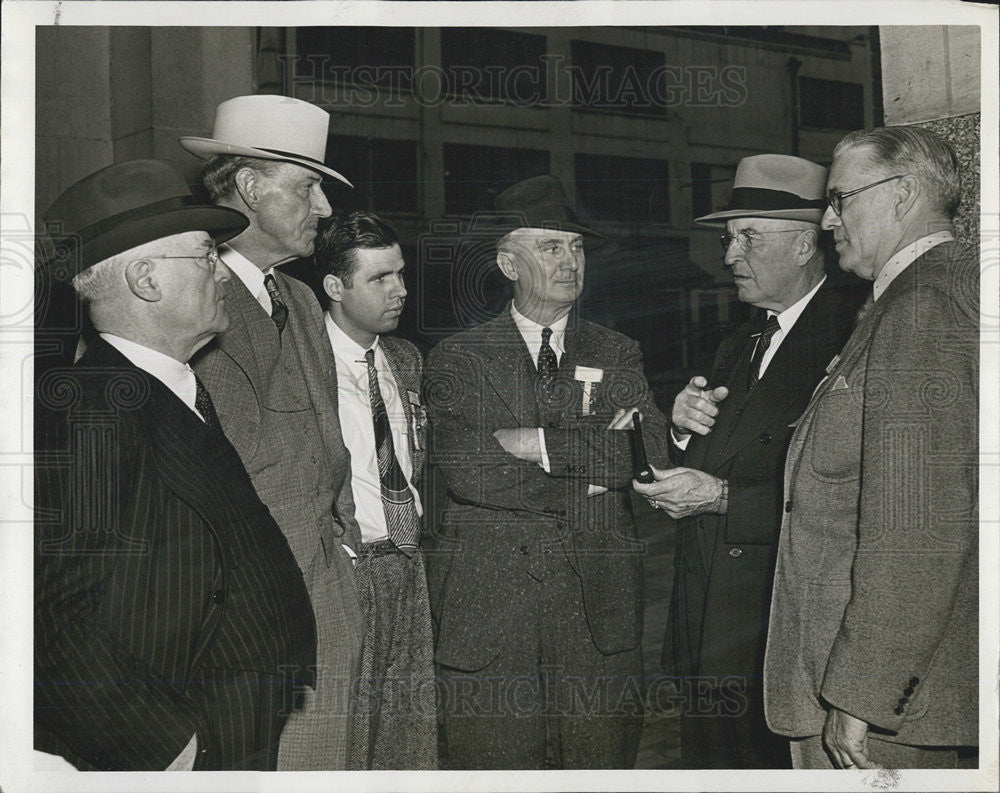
126	205
269	127
777	186
538	202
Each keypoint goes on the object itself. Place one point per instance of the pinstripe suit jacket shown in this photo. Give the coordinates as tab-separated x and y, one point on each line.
503	512
167	602
277	402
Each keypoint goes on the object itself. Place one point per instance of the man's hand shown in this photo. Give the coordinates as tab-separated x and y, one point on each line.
522	442
681	492
846	739
695	407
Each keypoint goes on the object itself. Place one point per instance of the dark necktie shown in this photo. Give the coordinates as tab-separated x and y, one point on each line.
547	363
279	311
763	342
397	500
203	404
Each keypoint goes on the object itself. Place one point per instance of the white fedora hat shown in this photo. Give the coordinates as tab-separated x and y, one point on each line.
270	127
774	186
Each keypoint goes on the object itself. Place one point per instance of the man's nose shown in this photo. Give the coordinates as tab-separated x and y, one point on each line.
570	260
321	206
400	290
733	253
829	220
222	273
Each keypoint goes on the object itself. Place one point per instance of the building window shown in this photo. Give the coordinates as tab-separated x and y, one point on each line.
474	175
710	187
831	104
383	172
382	56
617	79
490	65
623	188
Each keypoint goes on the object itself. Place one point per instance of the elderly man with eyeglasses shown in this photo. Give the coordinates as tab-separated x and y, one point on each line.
872	656
730	431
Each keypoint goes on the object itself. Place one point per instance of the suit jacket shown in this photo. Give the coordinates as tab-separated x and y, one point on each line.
875	606
407	365
723	563
502	513
167	601
276	399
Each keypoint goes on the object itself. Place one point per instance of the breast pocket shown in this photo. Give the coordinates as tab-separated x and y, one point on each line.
835	435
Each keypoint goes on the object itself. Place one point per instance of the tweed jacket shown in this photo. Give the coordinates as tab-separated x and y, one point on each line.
723	563
276	399
407	364
503	513
875	605
166	598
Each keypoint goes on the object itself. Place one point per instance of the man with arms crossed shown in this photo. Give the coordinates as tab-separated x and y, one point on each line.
378	397
872	653
273	381
731	433
170	616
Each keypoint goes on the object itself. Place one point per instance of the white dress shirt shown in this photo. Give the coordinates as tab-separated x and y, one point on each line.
904	258
249	273
354	409
176	376
531	332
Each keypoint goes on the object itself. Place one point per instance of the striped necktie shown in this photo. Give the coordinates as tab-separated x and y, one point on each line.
279	311
763	342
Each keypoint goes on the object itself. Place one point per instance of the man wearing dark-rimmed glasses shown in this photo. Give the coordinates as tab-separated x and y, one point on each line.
872	654
730	433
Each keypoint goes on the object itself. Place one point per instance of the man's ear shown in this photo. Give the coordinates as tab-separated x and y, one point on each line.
907	191
247	182
506	264
334	288
140	275
808	243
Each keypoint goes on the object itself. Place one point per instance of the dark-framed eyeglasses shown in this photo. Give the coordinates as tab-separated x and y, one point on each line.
836	198
745	238
209	259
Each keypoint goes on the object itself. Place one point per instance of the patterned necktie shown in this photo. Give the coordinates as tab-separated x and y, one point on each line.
279	311
763	342
397	499
547	363
203	404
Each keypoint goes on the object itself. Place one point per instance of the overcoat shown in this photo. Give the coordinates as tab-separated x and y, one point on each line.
875	605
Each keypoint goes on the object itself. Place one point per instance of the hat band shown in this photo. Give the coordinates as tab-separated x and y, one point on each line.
764	199
101	227
291	155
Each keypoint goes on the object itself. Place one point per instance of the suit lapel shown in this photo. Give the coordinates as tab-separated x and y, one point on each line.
508	370
403	386
246	334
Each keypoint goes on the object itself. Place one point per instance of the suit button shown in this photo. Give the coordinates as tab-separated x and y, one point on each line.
788	506
736	553
898	710
739	411
765	438
219	596
908	691
524	549
552	425
914	681
546	550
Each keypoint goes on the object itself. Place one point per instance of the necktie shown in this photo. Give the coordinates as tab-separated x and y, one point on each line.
279	311
203	404
763	342
547	363
400	511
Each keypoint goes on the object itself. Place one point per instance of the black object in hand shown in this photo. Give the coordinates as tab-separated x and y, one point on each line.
643	473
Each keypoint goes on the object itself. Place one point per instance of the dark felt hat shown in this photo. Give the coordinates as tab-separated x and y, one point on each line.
538	202
129	204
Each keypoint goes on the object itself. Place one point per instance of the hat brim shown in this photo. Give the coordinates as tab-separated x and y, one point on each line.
720	218
117	235
207	147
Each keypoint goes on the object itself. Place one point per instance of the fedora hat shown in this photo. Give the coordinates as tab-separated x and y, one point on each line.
269	127
126	205
774	186
537	202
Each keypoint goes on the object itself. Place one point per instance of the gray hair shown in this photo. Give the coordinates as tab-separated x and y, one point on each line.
102	280
915	151
219	174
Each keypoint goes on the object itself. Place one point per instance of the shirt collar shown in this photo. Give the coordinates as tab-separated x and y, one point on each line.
244	269
904	258
176	376
788	317
344	346
532	330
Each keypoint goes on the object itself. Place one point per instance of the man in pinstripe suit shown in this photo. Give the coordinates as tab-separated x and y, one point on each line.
170	615
379	376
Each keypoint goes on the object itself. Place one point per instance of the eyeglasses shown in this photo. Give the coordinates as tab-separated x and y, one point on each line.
209	259
836	198
746	238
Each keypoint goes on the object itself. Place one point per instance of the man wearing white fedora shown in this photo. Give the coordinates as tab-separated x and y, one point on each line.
273	381
730	432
